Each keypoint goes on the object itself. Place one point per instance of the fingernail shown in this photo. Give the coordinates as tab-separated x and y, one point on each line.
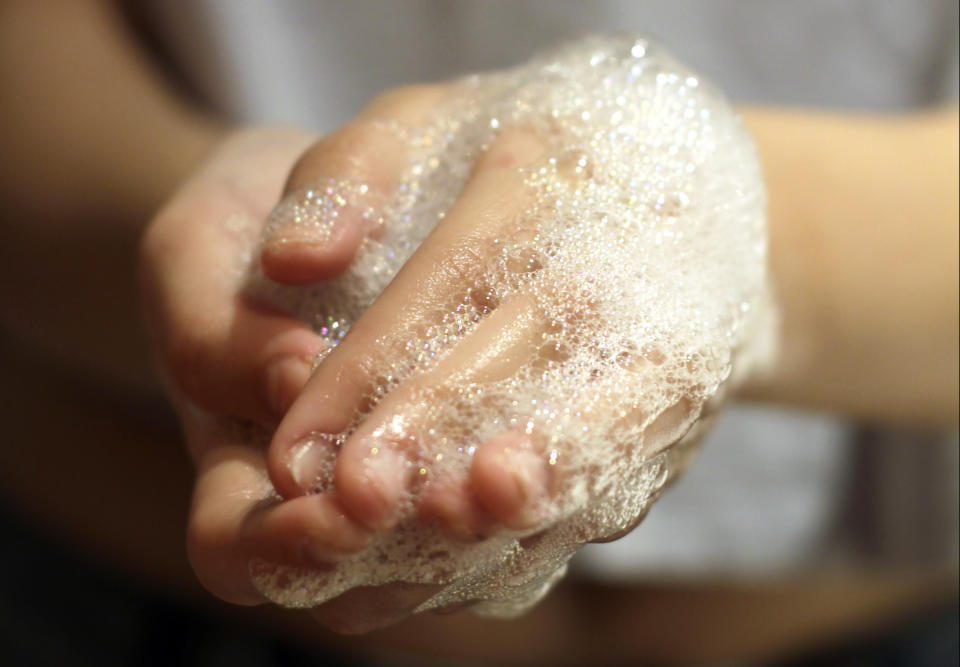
285	378
311	464
313	214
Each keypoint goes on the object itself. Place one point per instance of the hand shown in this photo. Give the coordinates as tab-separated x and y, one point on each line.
232	366
566	349
451	360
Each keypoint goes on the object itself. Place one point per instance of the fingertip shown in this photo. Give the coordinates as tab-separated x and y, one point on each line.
303	450
218	572
449	502
289	352
510	480
252	366
311	531
370	478
303	262
315	231
285	377
229	488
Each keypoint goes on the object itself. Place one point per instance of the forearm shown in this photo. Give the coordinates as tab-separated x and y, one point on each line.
863	250
94	140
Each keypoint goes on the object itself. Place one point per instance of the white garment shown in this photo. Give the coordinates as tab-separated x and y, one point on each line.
765	494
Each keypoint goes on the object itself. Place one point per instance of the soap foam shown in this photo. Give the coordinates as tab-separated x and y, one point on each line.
644	250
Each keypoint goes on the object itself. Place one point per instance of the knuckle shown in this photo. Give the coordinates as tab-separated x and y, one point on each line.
358	149
412	97
465	261
348	152
356	139
466	266
511	149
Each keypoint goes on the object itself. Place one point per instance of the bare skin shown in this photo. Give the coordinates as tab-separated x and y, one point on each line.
865	360
368	487
305	530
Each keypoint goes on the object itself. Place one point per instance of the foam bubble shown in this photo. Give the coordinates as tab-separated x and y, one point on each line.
644	252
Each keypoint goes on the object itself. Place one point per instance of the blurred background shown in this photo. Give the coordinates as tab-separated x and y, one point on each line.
795	538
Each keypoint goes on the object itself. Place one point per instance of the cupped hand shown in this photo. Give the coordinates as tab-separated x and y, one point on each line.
232	366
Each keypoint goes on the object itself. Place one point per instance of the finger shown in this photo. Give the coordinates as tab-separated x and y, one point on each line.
336	191
511	480
435	278
378	463
223	351
510	476
235	518
506	478
448	502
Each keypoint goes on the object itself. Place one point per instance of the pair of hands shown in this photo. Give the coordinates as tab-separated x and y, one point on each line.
240	372
237	370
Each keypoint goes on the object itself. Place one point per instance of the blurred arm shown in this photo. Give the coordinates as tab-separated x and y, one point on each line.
864	220
94	139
